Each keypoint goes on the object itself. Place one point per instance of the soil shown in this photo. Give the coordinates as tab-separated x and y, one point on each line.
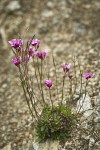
67	27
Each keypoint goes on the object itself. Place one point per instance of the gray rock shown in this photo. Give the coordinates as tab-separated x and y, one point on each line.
84	106
48	145
97	110
92	141
8	147
13	5
35	146
97	119
47	13
50	4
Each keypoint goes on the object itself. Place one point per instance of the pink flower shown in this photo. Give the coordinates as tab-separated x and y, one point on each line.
31	51
16	61
40	54
34	42
48	83
16	43
66	67
88	75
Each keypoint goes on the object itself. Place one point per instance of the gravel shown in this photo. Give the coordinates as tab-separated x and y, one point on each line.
69	28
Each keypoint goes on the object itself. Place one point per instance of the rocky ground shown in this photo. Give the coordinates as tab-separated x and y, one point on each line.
67	27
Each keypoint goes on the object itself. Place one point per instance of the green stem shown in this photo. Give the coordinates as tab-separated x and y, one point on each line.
50	97
21	77
80	80
75	77
63	89
36	76
41	82
84	96
55	75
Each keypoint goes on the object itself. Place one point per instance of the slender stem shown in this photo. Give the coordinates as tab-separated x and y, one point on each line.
41	81
55	75
36	76
41	70
31	96
27	101
39	100
63	88
75	76
80	80
14	52
71	94
28	44
71	88
50	97
27	87
21	77
84	96
33	105
47	68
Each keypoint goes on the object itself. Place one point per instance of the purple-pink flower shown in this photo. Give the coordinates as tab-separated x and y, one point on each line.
88	75
48	83
16	61
16	43
31	51
66	67
40	54
34	42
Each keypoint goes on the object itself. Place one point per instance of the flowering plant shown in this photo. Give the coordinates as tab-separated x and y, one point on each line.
36	84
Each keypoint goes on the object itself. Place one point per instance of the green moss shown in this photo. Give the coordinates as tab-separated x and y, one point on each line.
54	123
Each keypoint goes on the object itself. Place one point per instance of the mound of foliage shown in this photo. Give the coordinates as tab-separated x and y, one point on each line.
54	123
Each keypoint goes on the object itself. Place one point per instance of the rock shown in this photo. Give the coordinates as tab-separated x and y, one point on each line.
52	145
47	14
50	4
92	141
76	97
97	111
18	139
12	6
97	115
27	134
3	128
4	85
84	106
97	101
35	146
97	119
8	147
97	5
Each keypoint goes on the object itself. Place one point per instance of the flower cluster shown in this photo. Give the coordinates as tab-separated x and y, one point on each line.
16	61
48	83
22	55
31	51
66	67
40	54
15	43
88	75
34	42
